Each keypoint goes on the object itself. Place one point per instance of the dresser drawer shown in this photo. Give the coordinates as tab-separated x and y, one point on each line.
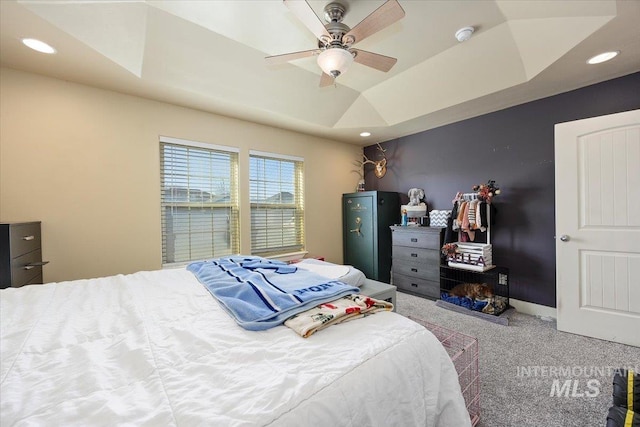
23	270
427	288
418	255
416	239
429	270
36	280
24	238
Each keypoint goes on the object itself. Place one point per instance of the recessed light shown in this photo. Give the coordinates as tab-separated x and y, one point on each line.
365	134
603	57
38	45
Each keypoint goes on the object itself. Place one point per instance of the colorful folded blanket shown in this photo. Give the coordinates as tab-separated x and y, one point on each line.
260	293
341	310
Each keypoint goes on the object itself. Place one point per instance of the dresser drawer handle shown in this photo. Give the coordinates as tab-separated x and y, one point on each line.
414	285
415	270
35	264
414	255
414	239
28	238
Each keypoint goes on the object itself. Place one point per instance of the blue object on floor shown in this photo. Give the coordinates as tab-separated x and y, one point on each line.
463	301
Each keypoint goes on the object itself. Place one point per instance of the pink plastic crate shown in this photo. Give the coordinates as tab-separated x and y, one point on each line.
463	350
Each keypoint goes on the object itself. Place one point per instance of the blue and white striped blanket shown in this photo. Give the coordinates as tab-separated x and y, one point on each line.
260	293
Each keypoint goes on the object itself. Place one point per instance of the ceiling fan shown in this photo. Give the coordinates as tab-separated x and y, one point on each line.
335	52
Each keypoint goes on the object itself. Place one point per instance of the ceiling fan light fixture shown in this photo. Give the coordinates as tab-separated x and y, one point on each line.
335	61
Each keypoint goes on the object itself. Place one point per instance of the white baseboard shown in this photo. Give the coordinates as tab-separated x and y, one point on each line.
533	309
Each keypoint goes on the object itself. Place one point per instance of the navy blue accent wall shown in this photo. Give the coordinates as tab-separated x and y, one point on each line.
514	147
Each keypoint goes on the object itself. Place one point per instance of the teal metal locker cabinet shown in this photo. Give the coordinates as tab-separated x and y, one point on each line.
366	217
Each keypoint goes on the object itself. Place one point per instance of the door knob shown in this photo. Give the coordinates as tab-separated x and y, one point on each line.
565	238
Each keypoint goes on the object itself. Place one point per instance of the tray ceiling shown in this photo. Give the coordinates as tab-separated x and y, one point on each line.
209	55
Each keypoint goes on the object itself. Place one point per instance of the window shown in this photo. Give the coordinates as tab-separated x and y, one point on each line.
199	200
277	203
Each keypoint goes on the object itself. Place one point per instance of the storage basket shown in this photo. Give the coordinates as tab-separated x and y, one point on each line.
472	256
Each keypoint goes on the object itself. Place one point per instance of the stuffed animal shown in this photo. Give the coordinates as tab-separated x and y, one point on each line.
415	196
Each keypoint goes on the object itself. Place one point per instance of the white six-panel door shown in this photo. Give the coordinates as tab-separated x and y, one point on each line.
597	172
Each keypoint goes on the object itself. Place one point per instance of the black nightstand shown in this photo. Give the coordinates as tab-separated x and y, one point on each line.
20	254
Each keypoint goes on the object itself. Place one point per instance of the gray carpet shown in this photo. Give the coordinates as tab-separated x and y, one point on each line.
519	364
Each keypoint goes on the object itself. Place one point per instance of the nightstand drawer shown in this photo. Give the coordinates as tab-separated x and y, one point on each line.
418	255
24	238
416	239
428	270
35	280
25	268
427	288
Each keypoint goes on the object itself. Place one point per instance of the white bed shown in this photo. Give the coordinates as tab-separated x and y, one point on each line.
155	348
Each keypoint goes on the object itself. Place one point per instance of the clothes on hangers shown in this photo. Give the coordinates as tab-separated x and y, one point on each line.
469	214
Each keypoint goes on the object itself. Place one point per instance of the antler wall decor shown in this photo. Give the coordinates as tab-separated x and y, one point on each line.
380	166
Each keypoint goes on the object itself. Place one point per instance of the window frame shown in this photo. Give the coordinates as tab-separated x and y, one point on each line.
233	205
298	206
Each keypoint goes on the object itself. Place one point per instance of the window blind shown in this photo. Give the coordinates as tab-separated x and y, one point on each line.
199	201
276	186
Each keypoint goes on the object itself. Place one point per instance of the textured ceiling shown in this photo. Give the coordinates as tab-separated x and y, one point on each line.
210	55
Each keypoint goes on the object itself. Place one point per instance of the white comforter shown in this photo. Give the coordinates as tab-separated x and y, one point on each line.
155	348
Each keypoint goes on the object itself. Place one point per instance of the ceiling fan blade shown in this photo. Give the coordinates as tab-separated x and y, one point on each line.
286	57
326	80
302	10
374	60
382	17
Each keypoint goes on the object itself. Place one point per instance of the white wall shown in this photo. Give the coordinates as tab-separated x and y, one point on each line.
85	162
